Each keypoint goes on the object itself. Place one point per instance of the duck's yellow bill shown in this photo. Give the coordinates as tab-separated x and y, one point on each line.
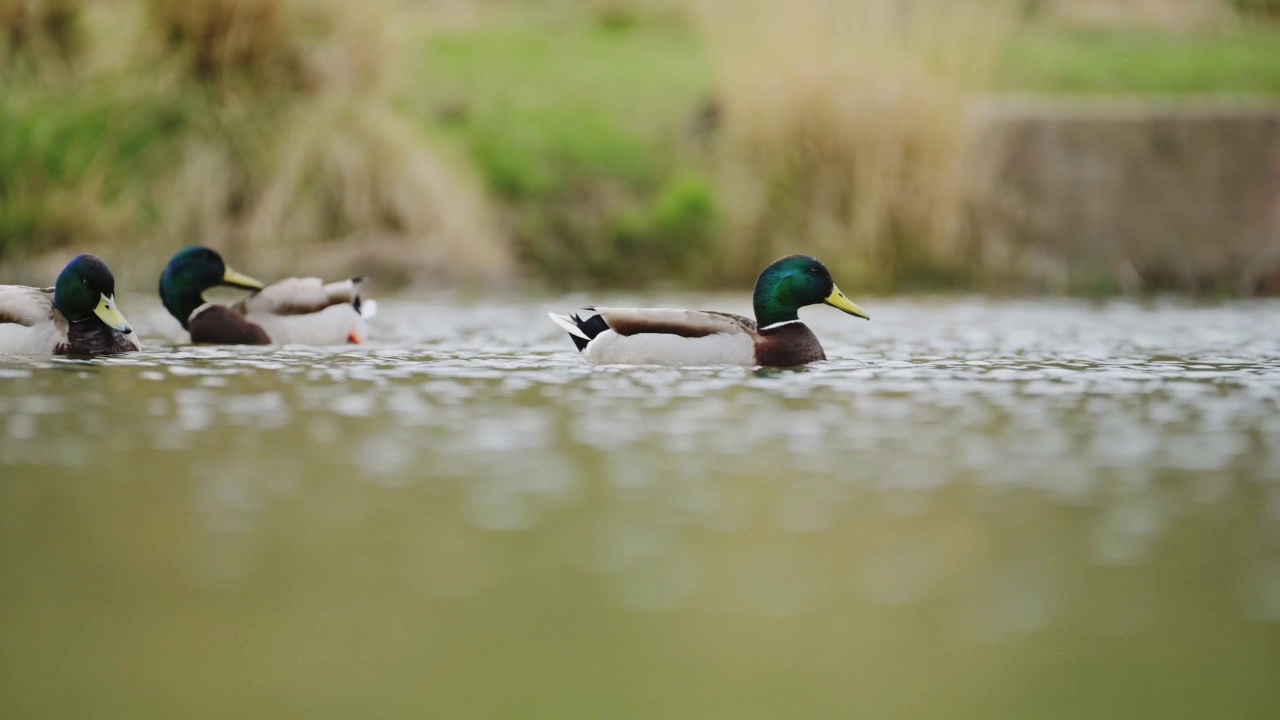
107	312
234	279
837	300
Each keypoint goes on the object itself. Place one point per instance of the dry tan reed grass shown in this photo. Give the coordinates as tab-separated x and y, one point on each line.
307	147
844	127
43	28
307	45
226	38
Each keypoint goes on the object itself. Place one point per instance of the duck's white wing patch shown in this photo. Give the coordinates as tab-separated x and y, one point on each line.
610	348
40	339
28	322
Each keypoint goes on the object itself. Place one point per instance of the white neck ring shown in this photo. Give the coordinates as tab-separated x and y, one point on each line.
778	324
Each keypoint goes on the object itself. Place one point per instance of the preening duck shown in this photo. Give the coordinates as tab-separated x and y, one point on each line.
297	310
659	336
77	316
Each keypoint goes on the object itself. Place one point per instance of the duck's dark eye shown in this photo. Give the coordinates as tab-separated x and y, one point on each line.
814	271
84	281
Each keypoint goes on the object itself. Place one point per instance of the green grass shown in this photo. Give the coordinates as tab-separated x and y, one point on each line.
581	127
73	159
1061	60
581	94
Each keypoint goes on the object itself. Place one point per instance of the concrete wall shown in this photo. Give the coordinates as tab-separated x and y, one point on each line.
1130	194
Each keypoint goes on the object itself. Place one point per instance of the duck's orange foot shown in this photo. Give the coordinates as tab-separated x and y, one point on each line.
354	338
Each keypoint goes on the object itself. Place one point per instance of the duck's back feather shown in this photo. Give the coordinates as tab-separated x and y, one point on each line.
301	296
684	323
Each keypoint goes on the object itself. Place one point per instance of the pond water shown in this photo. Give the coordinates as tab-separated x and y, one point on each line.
975	509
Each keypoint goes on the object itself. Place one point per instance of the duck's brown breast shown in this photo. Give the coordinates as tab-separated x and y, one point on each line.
92	337
221	325
788	345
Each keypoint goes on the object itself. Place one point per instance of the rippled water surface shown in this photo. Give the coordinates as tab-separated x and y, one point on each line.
975	509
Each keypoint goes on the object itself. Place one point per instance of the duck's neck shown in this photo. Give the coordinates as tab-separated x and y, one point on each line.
181	302
770	306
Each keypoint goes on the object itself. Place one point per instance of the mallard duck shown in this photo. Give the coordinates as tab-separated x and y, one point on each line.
776	338
77	316
297	310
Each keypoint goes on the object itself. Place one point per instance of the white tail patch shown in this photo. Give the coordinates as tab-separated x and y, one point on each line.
368	308
568	324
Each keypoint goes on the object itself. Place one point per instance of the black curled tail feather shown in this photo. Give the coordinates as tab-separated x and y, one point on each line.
356	282
591	327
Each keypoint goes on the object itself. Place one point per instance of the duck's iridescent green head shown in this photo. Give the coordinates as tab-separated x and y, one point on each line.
793	282
85	289
191	272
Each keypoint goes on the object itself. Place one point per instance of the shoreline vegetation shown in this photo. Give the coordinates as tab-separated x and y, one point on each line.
571	145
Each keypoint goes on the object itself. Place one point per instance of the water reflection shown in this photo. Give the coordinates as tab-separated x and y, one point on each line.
969	479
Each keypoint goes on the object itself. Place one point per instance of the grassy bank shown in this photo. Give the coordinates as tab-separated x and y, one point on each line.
692	148
266	127
1242	59
574	144
583	126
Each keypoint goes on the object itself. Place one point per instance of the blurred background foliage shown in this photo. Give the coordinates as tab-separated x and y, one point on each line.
564	143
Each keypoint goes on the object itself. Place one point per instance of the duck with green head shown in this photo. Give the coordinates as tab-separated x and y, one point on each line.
297	310
77	316
659	336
